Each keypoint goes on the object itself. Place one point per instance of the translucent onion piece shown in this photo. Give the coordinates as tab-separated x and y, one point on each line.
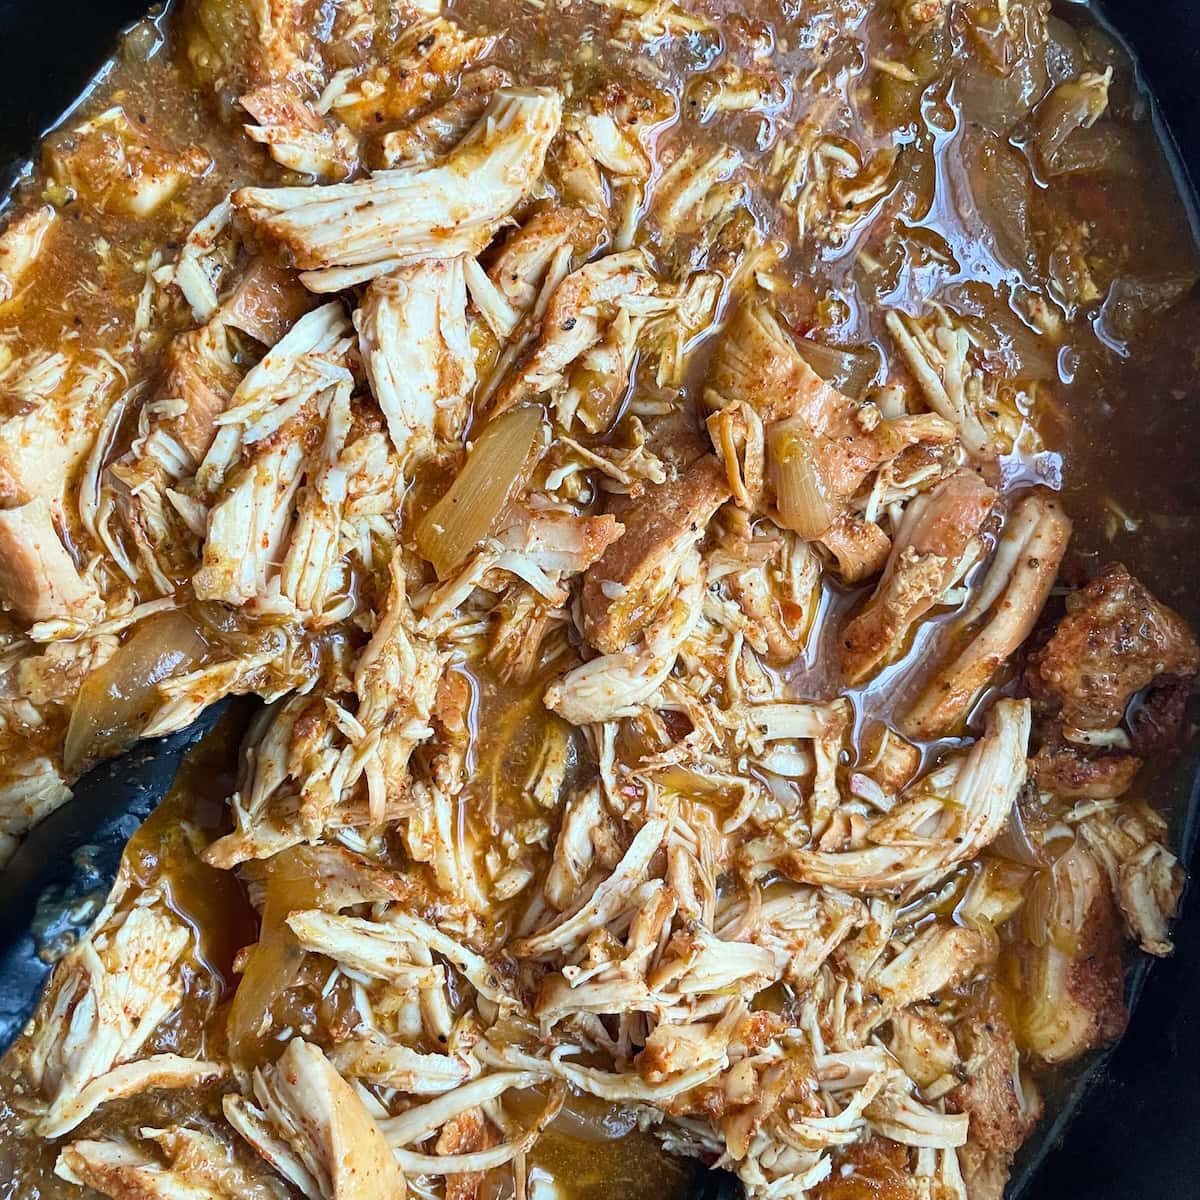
850	369
293	883
582	1118
498	467
1132	302
1072	106
119	697
1065	55
800	493
1001	185
997	102
1014	843
1102	149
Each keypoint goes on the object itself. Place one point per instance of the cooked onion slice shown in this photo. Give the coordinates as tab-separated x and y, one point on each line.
498	467
118	698
850	369
800	492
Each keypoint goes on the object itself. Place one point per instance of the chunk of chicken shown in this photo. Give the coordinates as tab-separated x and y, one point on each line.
609	897
729	88
806	420
1072	773
265	302
435	132
311	1126
542	549
578	312
1115	640
248	527
757	362
1018	581
934	535
310	575
1002	1105
923	1045
415	346
774	579
1145	878
199	370
38	578
937	356
465	1134
859	547
396	683
694	190
617	123
622	591
422	67
52	427
311	758
376	1060
1072	992
521	263
29	791
296	385
195	1166
350	232
575	175
296	136
574	849
21	243
104	1002
941	956
367	947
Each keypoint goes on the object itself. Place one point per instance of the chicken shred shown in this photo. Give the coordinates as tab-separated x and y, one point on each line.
350	232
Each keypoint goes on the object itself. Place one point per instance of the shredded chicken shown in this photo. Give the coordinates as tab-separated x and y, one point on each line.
51	409
38	579
942	819
1074	980
1145	878
105	1001
1002	1104
20	244
413	337
926	559
309	1123
615	683
622	591
180	1162
623	473
350	232
296	136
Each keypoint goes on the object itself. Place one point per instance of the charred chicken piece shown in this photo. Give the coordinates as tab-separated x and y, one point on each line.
1115	640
